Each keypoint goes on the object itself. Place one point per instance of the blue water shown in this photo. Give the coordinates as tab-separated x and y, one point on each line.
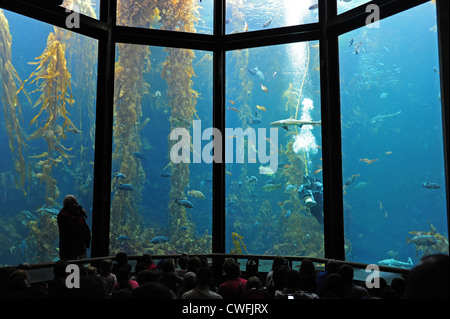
394	71
397	70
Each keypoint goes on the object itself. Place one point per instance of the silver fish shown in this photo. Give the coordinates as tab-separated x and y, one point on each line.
396	263
266	24
290	122
431	185
422	240
379	118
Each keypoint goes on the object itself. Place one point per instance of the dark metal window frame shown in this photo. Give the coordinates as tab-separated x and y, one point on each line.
327	31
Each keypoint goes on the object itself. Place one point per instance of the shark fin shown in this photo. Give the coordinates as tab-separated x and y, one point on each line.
286	128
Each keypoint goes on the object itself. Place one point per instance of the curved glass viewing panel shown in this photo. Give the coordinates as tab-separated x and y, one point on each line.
392	140
273	167
161	192
257	15
173	15
47	133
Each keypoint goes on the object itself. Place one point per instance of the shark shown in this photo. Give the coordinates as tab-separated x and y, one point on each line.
396	263
291	121
379	118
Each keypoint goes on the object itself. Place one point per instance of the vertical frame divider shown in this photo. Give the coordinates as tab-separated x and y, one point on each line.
331	133
218	218
218	213
103	134
442	11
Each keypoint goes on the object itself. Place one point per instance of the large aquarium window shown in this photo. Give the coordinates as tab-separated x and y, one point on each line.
392	140
161	192
173	15
273	153
253	15
90	8
47	130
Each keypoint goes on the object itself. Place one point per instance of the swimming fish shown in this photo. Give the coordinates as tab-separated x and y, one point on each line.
422	240
290	188
166	175
264	88
291	121
195	193
125	187
159	240
266	24
184	202
431	185
351	42
257	72
262	108
73	130
360	185
368	161
255	120
271	187
48	210
314	6
380	118
123	237
350	180
119	176
266	170
140	155
88	181
252	179
396	263
357	48
233	109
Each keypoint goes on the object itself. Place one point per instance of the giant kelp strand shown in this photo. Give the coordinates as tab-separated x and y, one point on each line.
178	15
142	13
11	106
42	239
54	82
82	58
129	87
127	113
178	71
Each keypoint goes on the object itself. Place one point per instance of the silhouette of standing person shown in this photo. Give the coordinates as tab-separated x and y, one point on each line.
74	233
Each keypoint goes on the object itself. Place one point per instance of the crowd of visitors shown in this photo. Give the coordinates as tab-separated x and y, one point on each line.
190	277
